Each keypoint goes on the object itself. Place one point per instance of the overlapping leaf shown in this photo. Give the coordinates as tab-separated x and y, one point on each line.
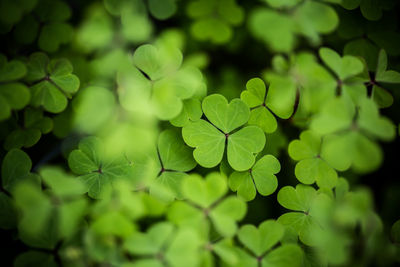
97	172
52	82
209	138
261	178
279	101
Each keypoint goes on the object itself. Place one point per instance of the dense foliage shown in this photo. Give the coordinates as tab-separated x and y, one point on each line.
178	133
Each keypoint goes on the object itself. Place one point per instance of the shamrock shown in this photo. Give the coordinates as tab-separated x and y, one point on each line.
382	76
191	111
304	216
52	82
15	168
35	124
158	78
349	141
175	159
210	138
97	172
214	19
260	242
52	215
313	166
346	69
279	29
279	100
13	95
260	177
205	200
164	244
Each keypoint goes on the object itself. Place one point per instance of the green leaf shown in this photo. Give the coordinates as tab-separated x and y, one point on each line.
275	29
95	171
155	62
35	258
35	207
383	75
370	121
242	145
14	96
284	256
8	213
395	232
344	67
335	116
15	168
204	192
225	215
260	240
151	242
53	82
255	92
162	9
174	154
261	177
60	183
12	70
280	100
191	111
209	143
226	117
298	199
53	35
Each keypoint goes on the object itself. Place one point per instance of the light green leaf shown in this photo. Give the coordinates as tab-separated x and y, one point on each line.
298	199
260	240
209	143
344	67
225	215
242	145
289	255
204	192
226	117
261	177
174	154
15	168
96	172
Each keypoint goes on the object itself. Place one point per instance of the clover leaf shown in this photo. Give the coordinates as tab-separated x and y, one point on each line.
52	82
175	159
164	243
209	138
260	177
313	166
346	69
162	9
191	111
279	100
15	168
300	200
279	28
97	172
213	20
205	200
13	95
53	214
157	78
35	124
383	76
260	242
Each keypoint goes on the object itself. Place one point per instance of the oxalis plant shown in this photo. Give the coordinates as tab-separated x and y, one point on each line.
166	133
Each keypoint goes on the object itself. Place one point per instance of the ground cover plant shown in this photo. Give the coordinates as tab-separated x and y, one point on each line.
177	133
